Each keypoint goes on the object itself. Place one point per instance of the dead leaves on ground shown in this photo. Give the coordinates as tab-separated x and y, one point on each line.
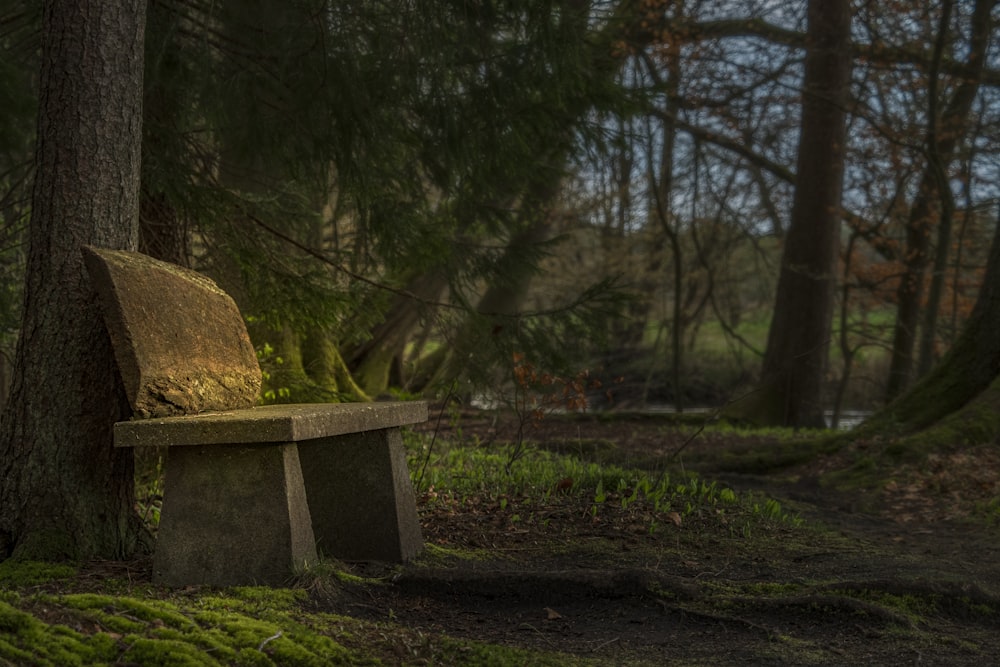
946	486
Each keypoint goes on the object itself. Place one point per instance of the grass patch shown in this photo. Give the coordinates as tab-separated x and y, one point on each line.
526	484
46	619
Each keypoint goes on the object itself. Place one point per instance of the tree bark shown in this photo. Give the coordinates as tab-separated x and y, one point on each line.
791	391
66	492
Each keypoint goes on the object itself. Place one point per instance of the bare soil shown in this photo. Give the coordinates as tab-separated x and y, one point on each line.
905	573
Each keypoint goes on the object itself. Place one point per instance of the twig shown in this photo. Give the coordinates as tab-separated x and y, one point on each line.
446	305
268	640
437	427
541	635
603	644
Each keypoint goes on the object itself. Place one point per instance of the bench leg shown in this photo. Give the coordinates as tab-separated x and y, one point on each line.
232	515
360	496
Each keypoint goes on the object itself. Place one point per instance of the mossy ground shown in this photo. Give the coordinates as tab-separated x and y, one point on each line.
598	542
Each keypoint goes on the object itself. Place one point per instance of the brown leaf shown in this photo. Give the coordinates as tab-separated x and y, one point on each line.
552	614
675	517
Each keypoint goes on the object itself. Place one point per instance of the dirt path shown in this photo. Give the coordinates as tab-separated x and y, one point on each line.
845	588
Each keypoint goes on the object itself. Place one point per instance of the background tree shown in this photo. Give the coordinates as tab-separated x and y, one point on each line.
66	492
791	391
947	120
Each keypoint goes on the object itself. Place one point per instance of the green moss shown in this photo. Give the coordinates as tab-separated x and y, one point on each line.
251	657
435	554
28	640
14	620
128	609
277	598
11	654
328	570
164	653
15	572
252	626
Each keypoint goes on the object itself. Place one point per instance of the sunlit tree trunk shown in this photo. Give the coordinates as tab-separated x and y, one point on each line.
66	491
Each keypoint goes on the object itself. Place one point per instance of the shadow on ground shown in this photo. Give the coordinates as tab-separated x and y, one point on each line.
865	577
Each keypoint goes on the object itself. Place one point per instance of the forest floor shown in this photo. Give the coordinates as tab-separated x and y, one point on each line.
905	573
771	548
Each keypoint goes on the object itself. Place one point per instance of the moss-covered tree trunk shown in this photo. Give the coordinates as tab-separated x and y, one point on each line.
325	366
66	491
373	360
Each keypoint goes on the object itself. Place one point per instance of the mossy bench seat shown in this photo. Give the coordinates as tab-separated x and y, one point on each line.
251	494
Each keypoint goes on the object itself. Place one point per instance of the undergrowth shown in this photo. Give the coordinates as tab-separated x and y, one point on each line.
469	474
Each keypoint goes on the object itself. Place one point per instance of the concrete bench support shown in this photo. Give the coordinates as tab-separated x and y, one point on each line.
233	515
369	514
249	493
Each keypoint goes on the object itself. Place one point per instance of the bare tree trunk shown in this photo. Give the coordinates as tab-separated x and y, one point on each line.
66	492
943	136
795	362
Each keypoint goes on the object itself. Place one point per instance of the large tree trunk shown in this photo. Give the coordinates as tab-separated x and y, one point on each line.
791	391
66	492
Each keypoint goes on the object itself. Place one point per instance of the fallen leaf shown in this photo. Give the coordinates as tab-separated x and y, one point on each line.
553	615
675	517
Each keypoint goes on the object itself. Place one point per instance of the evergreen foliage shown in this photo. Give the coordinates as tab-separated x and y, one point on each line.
19	30
325	155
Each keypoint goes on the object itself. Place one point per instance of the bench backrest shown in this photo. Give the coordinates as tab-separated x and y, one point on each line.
180	342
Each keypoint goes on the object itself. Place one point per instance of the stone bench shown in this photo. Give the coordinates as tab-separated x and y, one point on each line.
253	493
